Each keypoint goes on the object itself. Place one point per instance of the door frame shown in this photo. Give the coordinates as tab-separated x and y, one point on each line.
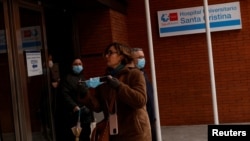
17	65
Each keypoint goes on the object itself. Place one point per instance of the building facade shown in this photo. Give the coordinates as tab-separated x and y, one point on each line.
69	28
181	62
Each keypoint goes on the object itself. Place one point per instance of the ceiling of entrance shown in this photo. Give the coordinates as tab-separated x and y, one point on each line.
86	4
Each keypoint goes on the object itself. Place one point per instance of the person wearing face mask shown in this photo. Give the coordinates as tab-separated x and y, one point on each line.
72	91
139	62
122	97
54	80
54	72
45	102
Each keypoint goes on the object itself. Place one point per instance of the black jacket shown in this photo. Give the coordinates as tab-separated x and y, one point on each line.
150	100
73	89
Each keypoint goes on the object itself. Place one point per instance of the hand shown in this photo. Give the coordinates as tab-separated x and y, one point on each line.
93	82
76	108
113	82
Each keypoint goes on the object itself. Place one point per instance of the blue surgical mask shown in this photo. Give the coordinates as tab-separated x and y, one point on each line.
93	82
141	63
77	69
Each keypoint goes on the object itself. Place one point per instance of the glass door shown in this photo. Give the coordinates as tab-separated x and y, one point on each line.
39	101
25	113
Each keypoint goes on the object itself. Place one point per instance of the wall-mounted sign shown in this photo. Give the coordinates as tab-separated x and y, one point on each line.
222	17
34	63
31	37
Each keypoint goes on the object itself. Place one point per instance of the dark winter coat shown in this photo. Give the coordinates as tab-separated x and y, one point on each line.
73	90
150	106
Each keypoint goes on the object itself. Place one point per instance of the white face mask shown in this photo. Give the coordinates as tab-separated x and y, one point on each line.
50	64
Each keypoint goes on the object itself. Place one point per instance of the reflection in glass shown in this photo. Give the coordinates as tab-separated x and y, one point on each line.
38	94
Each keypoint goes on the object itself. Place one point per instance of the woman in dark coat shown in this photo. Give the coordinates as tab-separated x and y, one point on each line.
72	91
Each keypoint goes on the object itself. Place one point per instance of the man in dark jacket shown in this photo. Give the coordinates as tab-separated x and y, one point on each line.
139	62
71	108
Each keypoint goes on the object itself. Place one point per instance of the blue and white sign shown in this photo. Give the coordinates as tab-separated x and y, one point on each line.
34	63
222	17
31	37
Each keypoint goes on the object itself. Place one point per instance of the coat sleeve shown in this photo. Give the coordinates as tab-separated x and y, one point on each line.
67	94
150	97
132	89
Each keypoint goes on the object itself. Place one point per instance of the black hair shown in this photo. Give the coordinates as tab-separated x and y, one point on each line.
74	58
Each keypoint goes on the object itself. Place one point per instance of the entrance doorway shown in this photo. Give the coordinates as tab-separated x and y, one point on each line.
58	22
25	111
28	33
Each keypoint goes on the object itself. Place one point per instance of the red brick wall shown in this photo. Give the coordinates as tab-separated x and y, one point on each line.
119	27
97	29
182	67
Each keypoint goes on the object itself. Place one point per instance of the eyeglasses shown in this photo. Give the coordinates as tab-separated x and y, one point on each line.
109	52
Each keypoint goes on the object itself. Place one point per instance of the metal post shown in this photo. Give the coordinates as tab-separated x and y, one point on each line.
211	65
151	51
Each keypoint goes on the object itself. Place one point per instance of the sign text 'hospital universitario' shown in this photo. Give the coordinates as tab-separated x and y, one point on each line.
222	17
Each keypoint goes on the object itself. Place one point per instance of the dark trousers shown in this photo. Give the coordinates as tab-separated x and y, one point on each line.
153	132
